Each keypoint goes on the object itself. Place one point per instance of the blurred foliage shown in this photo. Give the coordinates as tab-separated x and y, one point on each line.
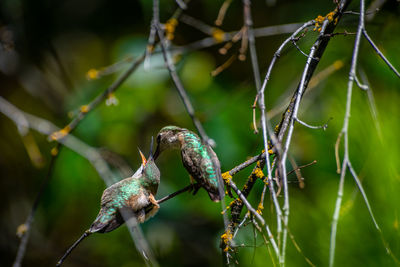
55	43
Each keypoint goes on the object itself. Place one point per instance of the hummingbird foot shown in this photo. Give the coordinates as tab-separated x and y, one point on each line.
141	216
154	207
154	201
195	186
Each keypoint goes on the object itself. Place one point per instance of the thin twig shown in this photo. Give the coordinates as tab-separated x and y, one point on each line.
28	223
95	102
258	32
313	127
186	188
372	105
288	118
300	90
337	157
380	53
258	216
197	24
344	131
180	88
359	84
315	80
303	166
261	104
248	22
181	4
224	66
222	12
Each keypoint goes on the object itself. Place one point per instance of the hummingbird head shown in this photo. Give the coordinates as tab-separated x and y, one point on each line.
149	168
167	138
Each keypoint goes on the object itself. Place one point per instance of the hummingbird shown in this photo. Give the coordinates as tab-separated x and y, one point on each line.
133	194
198	158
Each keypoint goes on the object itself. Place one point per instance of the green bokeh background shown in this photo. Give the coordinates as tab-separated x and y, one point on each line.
186	230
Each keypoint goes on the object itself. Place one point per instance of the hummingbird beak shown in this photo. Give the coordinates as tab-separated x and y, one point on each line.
144	161
151	148
157	153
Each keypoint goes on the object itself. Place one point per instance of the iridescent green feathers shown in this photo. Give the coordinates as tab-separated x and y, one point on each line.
131	195
198	158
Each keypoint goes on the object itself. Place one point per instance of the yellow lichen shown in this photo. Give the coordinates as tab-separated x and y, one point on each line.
170	26
270	151
226	239
260	208
259	173
92	74
21	230
150	48
330	15
227	177
251	178
228	207
320	19
61	133
218	35
84	109
338	64
54	151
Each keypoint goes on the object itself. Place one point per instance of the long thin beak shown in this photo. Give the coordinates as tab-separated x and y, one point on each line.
144	161
151	148
157	153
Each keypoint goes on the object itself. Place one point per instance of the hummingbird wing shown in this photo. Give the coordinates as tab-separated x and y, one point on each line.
201	167
217	168
108	218
114	199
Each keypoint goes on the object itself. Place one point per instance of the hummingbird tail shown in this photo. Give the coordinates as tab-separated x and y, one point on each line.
215	196
105	223
85	234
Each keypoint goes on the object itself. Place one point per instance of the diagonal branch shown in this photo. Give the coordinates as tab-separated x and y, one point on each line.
380	53
178	84
84	110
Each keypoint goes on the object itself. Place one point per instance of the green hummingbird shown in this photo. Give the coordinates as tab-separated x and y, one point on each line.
198	158
132	195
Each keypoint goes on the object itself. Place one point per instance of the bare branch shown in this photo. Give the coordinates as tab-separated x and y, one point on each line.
222	12
380	53
180	88
360	85
311	126
95	102
344	131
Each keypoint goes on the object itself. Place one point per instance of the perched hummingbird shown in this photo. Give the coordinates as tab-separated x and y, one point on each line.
198	158
133	195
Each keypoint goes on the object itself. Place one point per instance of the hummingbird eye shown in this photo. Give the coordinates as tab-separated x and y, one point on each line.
158	138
